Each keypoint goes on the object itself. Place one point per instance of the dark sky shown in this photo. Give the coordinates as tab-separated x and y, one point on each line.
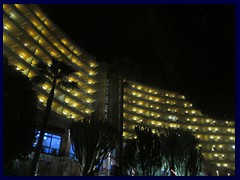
185	48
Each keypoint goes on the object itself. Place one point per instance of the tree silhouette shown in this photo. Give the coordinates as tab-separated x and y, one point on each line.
19	115
180	148
57	73
150	149
93	140
130	162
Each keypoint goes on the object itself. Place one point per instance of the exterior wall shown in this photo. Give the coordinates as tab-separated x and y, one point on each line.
100	95
157	108
29	37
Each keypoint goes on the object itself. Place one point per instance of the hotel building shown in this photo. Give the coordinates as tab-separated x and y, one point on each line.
30	37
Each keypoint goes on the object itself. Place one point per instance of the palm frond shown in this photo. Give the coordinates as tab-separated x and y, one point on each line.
71	85
65	69
55	65
42	68
38	79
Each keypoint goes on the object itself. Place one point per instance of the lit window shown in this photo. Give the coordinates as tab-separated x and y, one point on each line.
72	154
51	143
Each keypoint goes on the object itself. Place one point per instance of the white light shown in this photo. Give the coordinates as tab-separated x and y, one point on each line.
5	27
217	172
233	146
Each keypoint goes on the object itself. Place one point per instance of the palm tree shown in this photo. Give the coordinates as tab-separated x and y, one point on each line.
150	150
130	163
93	140
179	145
57	73
123	68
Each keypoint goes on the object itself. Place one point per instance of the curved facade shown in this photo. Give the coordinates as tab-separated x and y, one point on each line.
157	108
29	37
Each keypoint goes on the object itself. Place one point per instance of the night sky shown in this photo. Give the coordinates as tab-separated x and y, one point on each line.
189	49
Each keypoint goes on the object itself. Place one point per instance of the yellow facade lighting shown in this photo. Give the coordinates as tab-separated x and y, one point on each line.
92	65
91	73
88	100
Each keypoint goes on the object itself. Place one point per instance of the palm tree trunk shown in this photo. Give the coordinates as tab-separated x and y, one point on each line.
121	129
34	167
172	169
